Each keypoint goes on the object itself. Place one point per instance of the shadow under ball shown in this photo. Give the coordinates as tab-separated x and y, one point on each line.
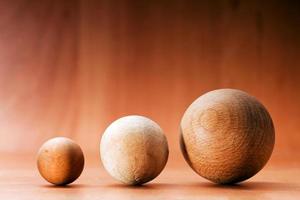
134	150
227	136
60	161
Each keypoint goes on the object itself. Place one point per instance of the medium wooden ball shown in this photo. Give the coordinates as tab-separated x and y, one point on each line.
227	136
60	161
134	150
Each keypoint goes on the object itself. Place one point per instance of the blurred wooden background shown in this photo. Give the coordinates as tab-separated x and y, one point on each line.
72	67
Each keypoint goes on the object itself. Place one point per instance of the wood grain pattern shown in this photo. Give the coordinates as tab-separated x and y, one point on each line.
70	68
227	136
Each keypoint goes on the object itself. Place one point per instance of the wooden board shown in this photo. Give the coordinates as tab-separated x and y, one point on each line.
72	67
19	179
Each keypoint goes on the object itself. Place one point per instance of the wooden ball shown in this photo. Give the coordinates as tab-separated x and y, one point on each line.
60	161
227	136
134	150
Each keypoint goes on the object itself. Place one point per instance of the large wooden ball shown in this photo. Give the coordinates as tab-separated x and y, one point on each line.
227	136
60	161
134	150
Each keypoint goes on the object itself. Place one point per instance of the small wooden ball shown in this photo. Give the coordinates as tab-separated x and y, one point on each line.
60	161
227	136
134	150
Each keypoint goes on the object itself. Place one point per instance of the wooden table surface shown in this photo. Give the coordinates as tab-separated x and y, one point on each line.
19	179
